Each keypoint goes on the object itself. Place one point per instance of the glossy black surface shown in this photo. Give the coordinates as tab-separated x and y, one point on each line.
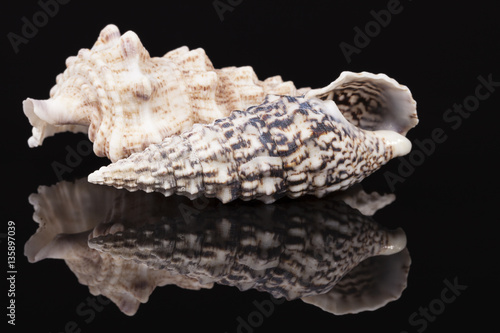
446	188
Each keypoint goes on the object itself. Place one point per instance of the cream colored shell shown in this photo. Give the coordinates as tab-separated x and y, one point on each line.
127	100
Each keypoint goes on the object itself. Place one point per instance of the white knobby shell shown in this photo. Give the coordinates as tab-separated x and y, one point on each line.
127	100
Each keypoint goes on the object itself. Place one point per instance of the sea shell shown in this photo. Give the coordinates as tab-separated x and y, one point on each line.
68	212
294	249
286	146
127	100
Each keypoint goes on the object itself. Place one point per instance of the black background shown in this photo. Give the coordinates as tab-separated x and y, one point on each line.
447	205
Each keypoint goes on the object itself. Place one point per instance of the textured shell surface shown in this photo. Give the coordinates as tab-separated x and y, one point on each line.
307	247
371	101
294	249
286	146
127	100
372	284
67	214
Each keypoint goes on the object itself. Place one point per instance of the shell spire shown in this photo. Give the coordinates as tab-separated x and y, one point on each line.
126	100
286	146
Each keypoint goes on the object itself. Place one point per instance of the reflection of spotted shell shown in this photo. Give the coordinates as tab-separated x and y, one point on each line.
286	146
306	248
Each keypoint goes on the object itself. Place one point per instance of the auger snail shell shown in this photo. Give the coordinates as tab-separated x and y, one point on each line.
127	100
286	146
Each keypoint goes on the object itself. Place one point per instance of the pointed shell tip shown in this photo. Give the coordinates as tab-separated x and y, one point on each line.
399	144
95	177
396	242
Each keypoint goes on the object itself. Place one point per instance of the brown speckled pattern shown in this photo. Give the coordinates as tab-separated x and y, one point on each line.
290	250
127	100
285	146
371	101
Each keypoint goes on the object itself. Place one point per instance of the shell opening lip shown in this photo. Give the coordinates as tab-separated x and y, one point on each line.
35	121
396	242
36	109
49	117
399	113
399	144
51	111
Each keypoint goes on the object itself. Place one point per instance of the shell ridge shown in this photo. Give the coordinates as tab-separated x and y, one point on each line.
271	171
219	173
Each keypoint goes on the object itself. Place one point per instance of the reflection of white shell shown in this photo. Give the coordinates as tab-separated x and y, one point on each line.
67	213
286	146
127	100
367	203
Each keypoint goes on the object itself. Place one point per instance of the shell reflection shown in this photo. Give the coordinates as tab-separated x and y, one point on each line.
123	244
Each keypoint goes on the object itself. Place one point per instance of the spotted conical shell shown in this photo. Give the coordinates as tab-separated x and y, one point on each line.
286	146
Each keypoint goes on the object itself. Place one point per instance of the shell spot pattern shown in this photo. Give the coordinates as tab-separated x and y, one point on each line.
285	146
